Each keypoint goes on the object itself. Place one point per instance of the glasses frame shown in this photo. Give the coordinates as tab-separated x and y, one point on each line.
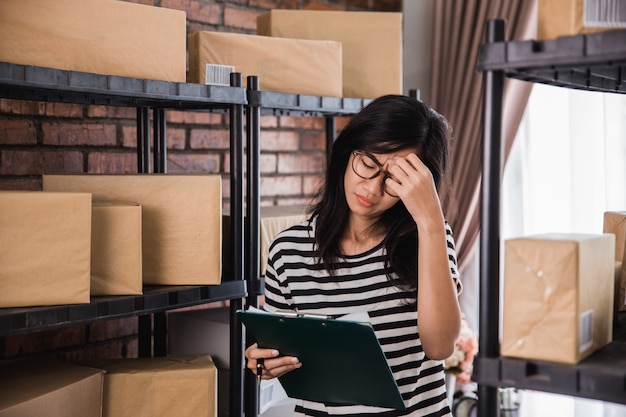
385	173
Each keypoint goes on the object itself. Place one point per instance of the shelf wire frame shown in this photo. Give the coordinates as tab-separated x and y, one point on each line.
252	239
489	263
237	249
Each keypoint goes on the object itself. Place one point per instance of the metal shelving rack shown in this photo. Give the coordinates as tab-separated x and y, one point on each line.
45	84
593	62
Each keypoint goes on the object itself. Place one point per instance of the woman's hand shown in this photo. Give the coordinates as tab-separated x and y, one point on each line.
273	365
413	182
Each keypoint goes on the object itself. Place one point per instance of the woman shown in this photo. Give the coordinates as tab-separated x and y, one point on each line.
377	242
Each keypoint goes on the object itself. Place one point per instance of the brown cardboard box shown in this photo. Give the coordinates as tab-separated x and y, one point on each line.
620	287
49	388
274	219
558	296
615	222
102	37
181	386
45	248
562	18
293	66
116	261
181	220
371	44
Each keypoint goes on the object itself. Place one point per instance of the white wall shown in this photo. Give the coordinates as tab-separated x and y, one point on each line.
417	16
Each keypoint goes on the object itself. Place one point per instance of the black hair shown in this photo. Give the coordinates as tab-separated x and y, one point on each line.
389	123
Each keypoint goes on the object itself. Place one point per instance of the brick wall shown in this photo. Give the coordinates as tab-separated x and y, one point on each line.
37	138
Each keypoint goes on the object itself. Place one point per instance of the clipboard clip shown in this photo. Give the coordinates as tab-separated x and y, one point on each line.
299	314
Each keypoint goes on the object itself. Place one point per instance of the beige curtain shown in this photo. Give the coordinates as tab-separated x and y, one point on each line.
456	92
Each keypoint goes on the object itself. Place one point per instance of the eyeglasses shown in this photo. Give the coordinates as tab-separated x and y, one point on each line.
367	167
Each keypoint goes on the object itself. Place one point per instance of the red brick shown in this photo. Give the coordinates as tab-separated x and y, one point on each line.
181	163
269	122
70	134
129	136
18	132
112	163
38	162
297	163
240	18
113	349
316	5
112	329
175	137
195	118
318	123
112	112
311	184
44	341
274	4
40	108
268	163
313	141
209	139
341	122
281	185
196	11
275	140
24	184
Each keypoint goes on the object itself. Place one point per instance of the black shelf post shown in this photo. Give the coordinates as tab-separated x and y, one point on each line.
237	249
492	160
253	240
160	141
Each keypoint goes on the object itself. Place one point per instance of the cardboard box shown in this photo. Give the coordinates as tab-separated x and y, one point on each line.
116	262
102	37
371	44
615	222
51	388
181	220
620	287
45	248
274	219
564	18
181	386
293	66
558	296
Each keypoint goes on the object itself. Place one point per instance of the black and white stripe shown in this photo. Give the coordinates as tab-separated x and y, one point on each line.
293	281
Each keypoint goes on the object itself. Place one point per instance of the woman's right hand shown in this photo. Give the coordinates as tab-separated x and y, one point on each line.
273	365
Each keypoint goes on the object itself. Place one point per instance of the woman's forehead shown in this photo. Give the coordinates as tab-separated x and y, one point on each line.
382	157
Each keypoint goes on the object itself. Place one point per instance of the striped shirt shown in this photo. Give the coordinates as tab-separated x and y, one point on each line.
294	281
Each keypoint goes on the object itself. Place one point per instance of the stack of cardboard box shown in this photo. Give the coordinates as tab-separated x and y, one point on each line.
60	248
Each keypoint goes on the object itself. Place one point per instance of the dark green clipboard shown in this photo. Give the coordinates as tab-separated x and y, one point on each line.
342	361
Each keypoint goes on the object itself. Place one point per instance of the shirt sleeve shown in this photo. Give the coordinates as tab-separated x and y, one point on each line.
452	260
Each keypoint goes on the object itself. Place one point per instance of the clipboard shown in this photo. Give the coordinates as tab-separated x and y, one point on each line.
342	361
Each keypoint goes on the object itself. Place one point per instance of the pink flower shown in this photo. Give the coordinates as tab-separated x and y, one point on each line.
461	362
